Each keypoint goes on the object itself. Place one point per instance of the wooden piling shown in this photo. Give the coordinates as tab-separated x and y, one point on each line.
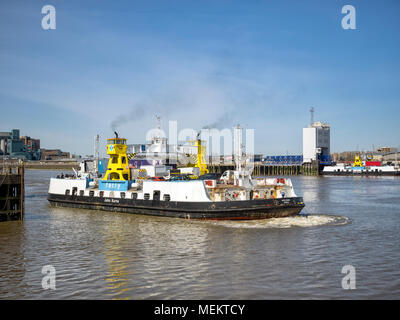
271	170
12	192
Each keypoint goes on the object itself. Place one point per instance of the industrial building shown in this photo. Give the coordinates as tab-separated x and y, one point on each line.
53	154
316	147
13	146
32	145
316	142
158	151
385	150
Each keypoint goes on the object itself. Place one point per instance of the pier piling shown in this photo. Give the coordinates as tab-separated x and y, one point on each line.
307	169
12	193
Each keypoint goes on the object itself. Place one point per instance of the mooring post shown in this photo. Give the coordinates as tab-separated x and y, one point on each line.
22	195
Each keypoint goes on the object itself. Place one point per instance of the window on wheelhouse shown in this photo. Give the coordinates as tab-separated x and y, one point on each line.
156	195
120	141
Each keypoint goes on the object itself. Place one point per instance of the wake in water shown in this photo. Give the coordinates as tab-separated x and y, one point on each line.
288	222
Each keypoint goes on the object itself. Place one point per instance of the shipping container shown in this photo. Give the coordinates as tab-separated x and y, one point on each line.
373	163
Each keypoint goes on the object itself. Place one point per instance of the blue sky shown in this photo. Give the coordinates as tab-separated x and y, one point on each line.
262	64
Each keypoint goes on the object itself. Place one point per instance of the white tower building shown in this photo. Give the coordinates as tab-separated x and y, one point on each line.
316	140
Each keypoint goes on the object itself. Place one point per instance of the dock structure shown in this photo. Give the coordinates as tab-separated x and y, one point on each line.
260	169
12	193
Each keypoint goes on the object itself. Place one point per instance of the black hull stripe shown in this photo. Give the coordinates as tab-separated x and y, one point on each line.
256	209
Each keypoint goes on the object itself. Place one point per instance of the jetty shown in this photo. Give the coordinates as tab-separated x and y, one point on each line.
307	169
67	164
12	193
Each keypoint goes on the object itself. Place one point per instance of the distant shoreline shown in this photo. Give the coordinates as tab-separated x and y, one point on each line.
43	165
50	168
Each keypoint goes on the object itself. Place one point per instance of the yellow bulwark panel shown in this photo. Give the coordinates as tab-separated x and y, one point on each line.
118	165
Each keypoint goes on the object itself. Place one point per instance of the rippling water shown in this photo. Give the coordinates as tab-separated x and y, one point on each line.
106	255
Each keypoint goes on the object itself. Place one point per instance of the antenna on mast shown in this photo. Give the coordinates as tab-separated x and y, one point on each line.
312	116
96	154
158	122
238	147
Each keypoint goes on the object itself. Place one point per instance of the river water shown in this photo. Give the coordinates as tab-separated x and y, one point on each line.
106	255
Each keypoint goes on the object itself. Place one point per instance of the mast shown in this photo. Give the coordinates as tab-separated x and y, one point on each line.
312	116
96	154
158	122
238	147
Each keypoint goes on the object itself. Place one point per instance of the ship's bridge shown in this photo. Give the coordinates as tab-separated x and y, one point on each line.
116	141
116	146
118	168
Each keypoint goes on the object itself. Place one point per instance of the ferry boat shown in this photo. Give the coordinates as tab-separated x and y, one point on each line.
235	195
372	168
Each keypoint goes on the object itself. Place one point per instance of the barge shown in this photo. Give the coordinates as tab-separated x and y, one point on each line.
360	168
